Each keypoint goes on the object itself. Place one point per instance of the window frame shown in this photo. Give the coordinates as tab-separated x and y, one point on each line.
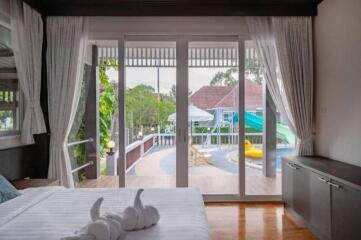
13	133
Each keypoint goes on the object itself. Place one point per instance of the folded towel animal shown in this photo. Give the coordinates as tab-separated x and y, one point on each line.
137	216
100	228
113	226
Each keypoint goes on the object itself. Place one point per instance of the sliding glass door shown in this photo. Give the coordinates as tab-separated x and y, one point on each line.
150	114
190	109
213	116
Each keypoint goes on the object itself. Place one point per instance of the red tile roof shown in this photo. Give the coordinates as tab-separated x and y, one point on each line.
210	97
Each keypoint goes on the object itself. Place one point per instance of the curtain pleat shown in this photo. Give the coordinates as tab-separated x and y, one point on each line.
27	41
284	46
67	39
293	36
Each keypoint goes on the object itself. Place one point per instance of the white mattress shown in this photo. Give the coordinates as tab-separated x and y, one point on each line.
54	212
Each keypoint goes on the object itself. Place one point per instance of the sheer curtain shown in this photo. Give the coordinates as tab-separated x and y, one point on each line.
284	45
27	41
67	39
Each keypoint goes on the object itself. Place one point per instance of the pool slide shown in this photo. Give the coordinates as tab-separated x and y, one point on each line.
254	121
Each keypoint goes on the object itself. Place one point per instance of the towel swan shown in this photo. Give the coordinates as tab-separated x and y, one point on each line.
113	226
137	217
100	228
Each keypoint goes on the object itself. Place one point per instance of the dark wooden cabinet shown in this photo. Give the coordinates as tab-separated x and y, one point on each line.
326	194
319	205
346	212
287	184
294	189
301	191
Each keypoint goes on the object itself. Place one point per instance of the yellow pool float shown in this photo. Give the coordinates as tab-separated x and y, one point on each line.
252	152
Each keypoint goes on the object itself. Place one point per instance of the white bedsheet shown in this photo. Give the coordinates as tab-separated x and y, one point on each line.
53	212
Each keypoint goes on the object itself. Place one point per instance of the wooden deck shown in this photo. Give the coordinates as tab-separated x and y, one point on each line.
255	185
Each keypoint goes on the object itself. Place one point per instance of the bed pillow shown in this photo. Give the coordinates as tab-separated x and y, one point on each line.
7	191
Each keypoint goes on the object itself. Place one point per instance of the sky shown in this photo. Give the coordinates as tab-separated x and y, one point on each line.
198	77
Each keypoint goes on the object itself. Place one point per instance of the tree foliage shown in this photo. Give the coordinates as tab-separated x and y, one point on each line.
145	108
253	67
107	105
225	78
77	132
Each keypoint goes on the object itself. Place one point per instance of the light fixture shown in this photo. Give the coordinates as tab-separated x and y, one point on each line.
111	145
140	134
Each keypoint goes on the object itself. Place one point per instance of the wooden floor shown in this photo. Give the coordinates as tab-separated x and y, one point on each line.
235	221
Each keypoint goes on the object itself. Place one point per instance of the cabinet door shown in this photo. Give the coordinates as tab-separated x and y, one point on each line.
295	184
301	191
287	184
320	206
346	212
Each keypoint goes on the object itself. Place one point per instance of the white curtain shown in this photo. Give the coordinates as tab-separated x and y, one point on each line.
67	39
293	36
27	41
284	45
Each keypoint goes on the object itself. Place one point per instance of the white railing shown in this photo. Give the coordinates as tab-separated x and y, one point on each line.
216	138
85	164
133	151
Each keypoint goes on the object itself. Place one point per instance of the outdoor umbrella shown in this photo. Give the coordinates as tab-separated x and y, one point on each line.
194	115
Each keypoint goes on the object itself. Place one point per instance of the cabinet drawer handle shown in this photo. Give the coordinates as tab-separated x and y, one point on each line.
334	185
322	179
292	166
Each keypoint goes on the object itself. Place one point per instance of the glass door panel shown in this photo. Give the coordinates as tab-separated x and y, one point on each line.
267	137
150	106
213	103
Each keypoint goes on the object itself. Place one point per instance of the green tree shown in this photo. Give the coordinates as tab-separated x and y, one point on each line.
144	108
107	104
253	67
225	78
173	91
77	132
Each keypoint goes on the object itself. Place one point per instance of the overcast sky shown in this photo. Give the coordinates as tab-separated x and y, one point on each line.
198	77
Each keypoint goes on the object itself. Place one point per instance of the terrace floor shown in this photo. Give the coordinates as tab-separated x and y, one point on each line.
157	168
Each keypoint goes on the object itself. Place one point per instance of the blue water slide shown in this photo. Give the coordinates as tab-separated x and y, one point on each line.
256	122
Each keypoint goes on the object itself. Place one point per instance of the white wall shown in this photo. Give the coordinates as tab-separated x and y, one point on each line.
338	80
109	28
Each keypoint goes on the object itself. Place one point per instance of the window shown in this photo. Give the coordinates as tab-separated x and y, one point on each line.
227	116
10	97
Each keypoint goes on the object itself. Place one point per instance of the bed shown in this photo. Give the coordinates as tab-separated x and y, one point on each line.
54	212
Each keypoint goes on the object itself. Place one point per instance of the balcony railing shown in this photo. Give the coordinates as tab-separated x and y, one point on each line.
78	143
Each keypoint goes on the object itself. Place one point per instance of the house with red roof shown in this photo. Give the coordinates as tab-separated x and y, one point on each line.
222	101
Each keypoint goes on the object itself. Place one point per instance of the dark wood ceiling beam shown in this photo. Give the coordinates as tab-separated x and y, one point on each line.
136	8
38	5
